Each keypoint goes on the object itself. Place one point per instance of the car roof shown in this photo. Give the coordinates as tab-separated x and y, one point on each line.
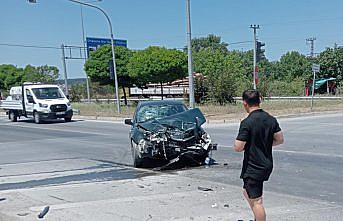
161	102
41	86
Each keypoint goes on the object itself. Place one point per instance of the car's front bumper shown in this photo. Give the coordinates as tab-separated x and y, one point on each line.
53	115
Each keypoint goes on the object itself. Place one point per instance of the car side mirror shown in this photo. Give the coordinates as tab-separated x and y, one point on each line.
197	121
30	99
68	97
128	121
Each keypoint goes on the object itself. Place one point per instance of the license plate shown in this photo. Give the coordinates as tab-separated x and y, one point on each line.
60	113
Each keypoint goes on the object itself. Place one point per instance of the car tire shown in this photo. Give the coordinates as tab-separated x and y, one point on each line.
12	116
67	119
137	160
37	118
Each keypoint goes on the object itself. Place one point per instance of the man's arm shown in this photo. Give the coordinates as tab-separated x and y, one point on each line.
278	138
242	137
239	145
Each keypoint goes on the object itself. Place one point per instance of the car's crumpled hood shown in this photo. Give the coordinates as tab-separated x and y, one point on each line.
183	121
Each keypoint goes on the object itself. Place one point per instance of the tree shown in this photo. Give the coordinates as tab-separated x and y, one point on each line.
157	65
223	73
331	63
211	42
44	74
11	75
97	66
293	65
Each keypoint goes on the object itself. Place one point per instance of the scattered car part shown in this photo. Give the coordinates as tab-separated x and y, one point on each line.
44	212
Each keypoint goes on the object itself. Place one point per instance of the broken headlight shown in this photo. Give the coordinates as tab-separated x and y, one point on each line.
206	141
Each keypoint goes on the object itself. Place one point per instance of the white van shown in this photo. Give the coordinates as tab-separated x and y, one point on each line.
40	101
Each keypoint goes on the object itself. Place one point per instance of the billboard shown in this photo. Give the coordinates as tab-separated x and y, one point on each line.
95	43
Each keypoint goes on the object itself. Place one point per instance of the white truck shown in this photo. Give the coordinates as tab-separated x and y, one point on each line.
40	101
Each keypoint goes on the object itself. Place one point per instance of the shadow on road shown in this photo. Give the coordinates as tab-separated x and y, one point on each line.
53	121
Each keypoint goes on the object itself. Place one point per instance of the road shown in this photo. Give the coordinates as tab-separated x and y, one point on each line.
307	167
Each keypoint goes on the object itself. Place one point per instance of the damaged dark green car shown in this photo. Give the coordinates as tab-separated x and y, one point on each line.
166	134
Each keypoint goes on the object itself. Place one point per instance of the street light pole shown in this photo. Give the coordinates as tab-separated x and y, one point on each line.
112	44
84	51
190	59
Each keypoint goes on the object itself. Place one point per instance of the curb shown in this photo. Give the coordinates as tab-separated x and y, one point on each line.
308	114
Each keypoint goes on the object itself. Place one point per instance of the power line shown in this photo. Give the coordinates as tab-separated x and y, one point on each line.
29	46
239	42
302	21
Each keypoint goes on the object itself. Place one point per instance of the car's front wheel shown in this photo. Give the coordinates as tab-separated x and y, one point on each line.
137	159
37	118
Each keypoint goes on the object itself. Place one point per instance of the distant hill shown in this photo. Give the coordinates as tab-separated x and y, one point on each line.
73	81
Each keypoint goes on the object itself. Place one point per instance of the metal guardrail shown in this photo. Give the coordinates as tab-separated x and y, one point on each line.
111	100
298	98
305	98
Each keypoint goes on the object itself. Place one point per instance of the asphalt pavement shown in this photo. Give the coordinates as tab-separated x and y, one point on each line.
56	163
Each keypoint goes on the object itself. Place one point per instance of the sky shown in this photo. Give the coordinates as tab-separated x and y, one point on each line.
284	26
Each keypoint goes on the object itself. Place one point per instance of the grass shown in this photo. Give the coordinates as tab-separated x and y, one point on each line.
103	110
230	112
235	112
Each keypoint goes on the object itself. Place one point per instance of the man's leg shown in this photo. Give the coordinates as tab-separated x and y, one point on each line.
247	198
258	209
252	190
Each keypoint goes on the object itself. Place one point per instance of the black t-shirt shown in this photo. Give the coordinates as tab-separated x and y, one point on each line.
258	131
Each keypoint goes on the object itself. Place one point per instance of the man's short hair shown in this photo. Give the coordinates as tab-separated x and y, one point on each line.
252	97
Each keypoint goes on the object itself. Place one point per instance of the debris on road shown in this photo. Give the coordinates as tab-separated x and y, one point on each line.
226	206
204	189
210	161
214	205
44	212
23	214
149	218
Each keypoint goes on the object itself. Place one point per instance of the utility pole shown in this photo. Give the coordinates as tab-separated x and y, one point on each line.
311	42
190	59
254	27
65	71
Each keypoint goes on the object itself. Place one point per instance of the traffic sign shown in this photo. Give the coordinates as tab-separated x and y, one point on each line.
95	43
315	67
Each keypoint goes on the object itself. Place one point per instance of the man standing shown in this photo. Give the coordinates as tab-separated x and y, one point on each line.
258	133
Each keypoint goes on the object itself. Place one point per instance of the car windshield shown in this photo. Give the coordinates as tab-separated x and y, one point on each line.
150	112
47	93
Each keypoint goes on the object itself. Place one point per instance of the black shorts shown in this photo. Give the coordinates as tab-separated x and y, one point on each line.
253	187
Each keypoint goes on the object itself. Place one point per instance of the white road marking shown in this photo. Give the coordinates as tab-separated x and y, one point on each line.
56	129
295	152
309	153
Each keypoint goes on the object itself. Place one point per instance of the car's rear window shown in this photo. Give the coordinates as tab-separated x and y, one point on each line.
150	112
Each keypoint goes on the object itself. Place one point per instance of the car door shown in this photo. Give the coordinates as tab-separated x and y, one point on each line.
29	102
